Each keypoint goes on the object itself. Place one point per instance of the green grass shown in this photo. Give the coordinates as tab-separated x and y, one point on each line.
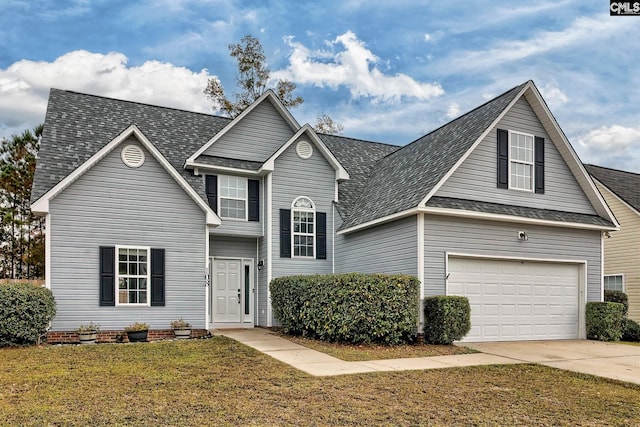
364	352
220	382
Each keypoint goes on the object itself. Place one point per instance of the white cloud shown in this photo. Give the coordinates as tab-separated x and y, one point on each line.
24	86
582	31
553	95
615	146
453	111
353	67
427	37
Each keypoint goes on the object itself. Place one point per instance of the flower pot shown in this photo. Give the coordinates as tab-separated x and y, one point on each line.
137	336
88	337
182	333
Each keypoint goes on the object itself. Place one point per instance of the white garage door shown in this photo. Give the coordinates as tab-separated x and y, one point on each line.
517	300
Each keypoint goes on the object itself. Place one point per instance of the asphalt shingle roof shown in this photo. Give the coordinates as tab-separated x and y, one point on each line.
358	157
229	163
384	179
521	211
402	179
625	185
78	125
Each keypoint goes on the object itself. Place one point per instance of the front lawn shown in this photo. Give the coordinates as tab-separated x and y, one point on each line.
220	382
364	352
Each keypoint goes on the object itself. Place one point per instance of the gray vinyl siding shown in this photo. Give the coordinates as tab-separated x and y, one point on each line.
112	204
232	247
294	177
474	237
256	137
476	178
387	248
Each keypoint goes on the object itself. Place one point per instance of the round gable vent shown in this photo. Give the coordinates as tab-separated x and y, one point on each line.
132	156
304	149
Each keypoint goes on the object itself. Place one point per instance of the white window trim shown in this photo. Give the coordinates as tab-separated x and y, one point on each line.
532	163
293	233
117	279
613	275
245	199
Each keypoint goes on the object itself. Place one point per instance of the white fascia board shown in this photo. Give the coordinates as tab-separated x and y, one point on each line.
477	142
41	206
379	221
221	169
341	172
268	95
615	196
510	218
567	152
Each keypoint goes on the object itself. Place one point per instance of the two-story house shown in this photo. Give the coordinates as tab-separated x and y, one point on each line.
155	214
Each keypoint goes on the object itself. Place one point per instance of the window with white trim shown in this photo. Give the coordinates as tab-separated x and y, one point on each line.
233	197
614	282
303	215
521	161
133	275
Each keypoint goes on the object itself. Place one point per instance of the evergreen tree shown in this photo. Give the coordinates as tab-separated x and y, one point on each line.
22	233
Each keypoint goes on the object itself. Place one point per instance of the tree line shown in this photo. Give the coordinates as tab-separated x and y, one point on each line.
21	232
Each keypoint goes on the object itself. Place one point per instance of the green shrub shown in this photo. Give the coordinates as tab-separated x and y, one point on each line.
25	313
352	307
604	320
446	319
619	297
630	330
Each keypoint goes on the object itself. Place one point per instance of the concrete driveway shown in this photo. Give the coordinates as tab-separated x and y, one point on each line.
608	360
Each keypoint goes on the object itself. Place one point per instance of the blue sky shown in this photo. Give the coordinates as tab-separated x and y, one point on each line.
388	71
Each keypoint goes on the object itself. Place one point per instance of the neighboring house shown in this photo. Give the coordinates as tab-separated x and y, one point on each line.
155	214
621	191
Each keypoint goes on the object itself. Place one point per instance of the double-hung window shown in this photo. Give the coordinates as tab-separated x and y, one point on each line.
133	275
303	226
521	161
614	282
233	197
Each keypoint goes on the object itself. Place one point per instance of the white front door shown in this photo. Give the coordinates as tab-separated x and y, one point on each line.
232	291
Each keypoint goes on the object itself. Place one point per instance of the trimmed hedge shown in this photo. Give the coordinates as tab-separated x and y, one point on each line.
630	330
25	313
352	307
604	320
446	319
619	297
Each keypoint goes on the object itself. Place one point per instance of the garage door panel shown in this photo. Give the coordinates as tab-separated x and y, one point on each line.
517	300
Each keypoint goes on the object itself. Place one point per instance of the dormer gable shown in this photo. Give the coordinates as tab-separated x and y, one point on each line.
254	135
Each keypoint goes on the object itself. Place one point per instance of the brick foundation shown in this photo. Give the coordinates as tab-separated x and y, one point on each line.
70	337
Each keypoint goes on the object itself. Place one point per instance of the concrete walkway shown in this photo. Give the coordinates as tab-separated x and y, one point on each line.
604	359
320	364
609	360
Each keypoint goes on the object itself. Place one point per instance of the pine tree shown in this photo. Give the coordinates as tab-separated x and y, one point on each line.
22	233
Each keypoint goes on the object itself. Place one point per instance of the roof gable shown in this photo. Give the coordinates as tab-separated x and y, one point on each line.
41	206
624	185
253	135
78	125
401	180
307	130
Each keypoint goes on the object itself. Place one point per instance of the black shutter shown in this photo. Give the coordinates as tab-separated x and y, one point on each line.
321	235
254	200
211	185
157	277
503	158
107	276
539	164
285	233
